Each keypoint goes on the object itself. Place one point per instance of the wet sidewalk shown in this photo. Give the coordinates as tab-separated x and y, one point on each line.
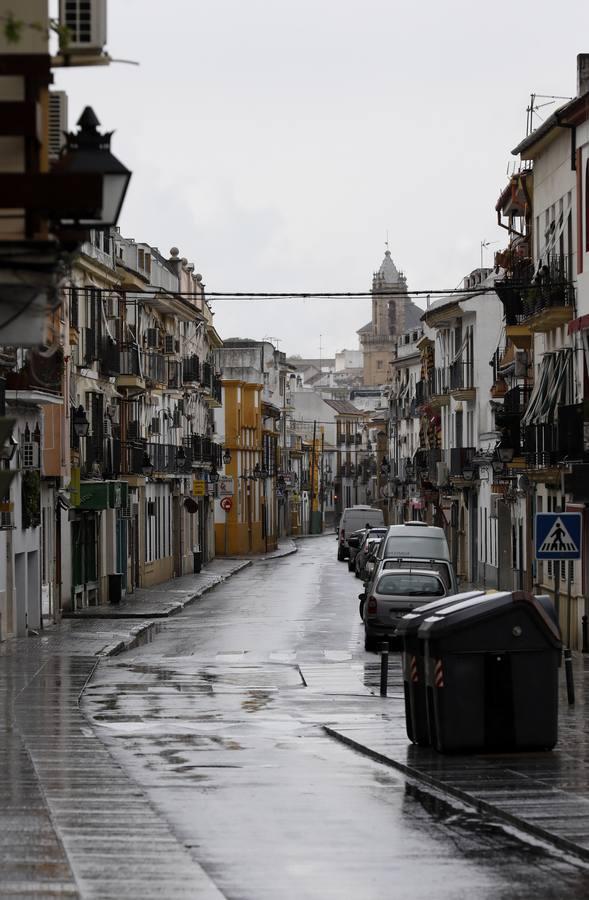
544	794
165	599
72	823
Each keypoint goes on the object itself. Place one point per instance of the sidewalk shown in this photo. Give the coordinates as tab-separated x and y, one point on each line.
543	794
166	599
71	822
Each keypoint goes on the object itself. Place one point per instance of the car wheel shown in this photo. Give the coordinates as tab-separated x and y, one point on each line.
369	643
340	555
350	565
361	609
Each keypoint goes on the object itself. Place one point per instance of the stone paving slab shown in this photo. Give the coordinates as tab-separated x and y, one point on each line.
544	794
166	599
78	825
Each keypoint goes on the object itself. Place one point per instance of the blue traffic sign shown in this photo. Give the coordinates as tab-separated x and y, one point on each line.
558	535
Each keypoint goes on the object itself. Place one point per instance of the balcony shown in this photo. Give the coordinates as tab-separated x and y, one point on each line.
552	444
203	450
536	301
109	357
459	458
154	367
422	392
130	373
439	387
191	370
462	385
174	380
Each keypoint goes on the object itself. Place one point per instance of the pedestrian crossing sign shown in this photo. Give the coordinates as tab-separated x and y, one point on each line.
558	535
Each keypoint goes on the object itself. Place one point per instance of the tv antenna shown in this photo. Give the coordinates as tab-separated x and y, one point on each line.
532	109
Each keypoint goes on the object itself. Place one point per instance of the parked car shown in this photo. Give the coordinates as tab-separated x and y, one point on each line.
442	567
414	540
395	593
367	550
353	518
354	541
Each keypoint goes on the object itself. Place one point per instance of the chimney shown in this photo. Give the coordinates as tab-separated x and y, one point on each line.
582	74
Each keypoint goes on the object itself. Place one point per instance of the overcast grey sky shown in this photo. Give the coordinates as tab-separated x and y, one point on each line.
276	141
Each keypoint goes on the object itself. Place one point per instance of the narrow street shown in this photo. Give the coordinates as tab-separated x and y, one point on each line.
219	720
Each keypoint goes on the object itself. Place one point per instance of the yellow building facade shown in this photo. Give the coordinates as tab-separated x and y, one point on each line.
245	528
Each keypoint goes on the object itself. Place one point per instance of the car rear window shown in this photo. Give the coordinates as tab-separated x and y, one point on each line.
428	547
410	585
440	569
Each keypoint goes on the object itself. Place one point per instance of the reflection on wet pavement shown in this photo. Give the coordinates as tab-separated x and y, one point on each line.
216	724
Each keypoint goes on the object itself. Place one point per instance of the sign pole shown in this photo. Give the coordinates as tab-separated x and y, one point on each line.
569	611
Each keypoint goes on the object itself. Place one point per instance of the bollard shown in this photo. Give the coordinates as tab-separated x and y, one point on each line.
384	668
568	671
585	647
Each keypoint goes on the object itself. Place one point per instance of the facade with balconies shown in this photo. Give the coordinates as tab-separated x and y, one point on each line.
136	320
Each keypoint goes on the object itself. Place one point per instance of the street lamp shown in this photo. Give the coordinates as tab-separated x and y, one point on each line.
468	472
146	465
181	457
8	449
257	471
226	456
81	423
88	153
498	466
213	475
505	454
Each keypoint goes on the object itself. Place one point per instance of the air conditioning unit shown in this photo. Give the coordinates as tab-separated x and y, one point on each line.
29	455
494	511
441	473
169	343
85	21
57	123
521	364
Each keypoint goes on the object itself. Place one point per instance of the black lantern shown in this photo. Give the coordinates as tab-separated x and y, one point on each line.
498	466
257	473
88	153
468	472
226	456
181	457
504	453
81	423
213	475
146	465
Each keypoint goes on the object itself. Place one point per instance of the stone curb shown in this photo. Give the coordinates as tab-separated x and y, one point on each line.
135	635
481	806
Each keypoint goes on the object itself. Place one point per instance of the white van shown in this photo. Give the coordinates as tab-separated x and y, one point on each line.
414	539
353	518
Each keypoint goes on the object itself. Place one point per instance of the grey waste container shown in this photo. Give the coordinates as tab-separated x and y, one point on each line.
491	670
416	719
115	587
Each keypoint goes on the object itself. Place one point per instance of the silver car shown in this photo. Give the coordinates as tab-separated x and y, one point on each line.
394	593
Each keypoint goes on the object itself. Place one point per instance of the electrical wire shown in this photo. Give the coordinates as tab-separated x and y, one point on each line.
326	295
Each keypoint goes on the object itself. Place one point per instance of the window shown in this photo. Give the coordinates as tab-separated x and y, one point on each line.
410	584
379	363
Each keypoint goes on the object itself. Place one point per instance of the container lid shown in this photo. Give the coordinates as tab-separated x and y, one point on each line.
455	617
412	621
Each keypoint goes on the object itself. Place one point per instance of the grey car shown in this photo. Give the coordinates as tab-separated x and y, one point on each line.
394	593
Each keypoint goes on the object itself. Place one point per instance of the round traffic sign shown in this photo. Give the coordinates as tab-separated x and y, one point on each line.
226	503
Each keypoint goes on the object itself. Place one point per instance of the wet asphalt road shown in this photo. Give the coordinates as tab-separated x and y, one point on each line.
219	721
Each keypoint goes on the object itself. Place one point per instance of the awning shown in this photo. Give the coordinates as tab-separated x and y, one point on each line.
553	388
